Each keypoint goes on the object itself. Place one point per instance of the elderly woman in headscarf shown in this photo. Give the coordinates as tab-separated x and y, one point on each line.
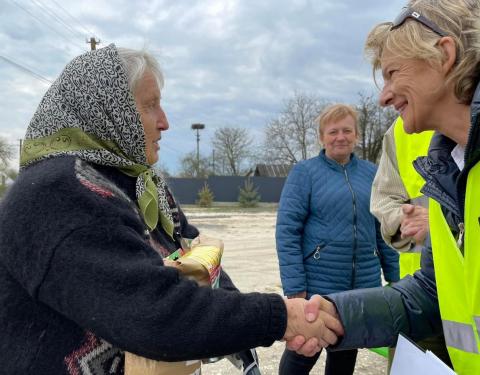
430	61
85	227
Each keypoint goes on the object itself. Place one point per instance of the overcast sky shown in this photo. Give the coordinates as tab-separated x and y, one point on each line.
226	62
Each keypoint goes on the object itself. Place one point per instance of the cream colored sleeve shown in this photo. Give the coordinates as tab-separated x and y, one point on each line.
388	195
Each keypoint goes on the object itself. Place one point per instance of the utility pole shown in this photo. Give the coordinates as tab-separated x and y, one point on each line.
93	43
198	127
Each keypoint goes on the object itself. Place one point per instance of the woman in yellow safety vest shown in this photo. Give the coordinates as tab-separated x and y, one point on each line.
429	57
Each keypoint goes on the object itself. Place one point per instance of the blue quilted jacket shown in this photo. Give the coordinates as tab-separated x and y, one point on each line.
327	240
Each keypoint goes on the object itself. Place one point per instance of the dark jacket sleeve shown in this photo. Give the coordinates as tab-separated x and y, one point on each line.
292	212
118	288
389	258
374	317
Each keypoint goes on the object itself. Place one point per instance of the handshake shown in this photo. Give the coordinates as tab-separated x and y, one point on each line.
311	325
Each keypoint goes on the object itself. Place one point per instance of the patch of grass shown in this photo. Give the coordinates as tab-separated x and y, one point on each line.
231	207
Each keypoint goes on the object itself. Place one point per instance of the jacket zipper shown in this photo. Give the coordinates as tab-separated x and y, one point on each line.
461	229
354	201
315	253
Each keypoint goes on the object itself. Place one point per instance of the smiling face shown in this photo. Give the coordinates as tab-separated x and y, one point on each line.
339	139
154	121
414	88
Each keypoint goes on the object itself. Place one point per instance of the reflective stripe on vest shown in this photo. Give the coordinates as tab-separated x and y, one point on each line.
408	147
460	336
458	279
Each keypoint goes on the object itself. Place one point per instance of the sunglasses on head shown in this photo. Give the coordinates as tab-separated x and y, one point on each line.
414	15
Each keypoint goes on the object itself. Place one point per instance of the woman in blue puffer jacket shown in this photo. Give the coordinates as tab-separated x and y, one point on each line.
327	239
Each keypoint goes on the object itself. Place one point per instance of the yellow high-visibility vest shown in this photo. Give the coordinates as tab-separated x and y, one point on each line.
458	279
408	147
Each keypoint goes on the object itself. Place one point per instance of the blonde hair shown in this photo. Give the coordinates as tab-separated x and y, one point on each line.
334	113
460	19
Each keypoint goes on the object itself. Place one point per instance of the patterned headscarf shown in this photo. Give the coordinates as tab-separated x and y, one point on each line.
89	112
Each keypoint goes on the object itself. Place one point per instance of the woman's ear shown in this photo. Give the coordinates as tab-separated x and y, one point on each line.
447	45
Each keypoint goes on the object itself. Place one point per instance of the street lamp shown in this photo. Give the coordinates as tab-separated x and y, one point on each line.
198	127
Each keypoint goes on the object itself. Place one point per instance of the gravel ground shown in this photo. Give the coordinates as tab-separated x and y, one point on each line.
251	262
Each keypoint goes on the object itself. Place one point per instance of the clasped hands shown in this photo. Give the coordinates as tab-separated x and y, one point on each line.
312	325
414	222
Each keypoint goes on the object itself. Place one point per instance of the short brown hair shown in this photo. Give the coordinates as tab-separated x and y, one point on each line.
334	113
460	19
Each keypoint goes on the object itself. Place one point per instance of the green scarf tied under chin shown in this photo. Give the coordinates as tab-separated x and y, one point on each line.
73	141
148	200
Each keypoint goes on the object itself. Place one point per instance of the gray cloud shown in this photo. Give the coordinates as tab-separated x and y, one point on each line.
226	62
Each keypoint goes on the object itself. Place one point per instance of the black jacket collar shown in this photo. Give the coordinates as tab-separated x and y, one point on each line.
444	182
440	173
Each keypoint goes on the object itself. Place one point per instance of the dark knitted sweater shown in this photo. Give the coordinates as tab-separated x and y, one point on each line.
80	283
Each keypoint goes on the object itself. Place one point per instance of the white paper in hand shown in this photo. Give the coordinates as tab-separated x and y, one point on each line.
409	359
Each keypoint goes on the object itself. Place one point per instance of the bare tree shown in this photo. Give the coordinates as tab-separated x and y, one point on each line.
6	153
293	135
5	174
162	169
233	147
189	166
373	122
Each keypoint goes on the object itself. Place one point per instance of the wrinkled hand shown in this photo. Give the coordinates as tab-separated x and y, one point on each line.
414	222
299	343
312	325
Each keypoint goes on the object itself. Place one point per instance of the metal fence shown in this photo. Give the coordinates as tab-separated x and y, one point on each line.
225	188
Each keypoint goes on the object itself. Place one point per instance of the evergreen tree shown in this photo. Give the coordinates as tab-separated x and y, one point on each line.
249	196
205	196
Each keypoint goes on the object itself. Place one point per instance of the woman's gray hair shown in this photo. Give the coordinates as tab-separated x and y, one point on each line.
136	63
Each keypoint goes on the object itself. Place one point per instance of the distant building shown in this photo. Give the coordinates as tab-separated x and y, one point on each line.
272	170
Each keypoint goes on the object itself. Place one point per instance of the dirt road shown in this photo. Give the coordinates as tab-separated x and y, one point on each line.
251	261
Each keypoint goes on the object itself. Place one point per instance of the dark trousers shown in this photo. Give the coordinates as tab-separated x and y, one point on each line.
338	363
